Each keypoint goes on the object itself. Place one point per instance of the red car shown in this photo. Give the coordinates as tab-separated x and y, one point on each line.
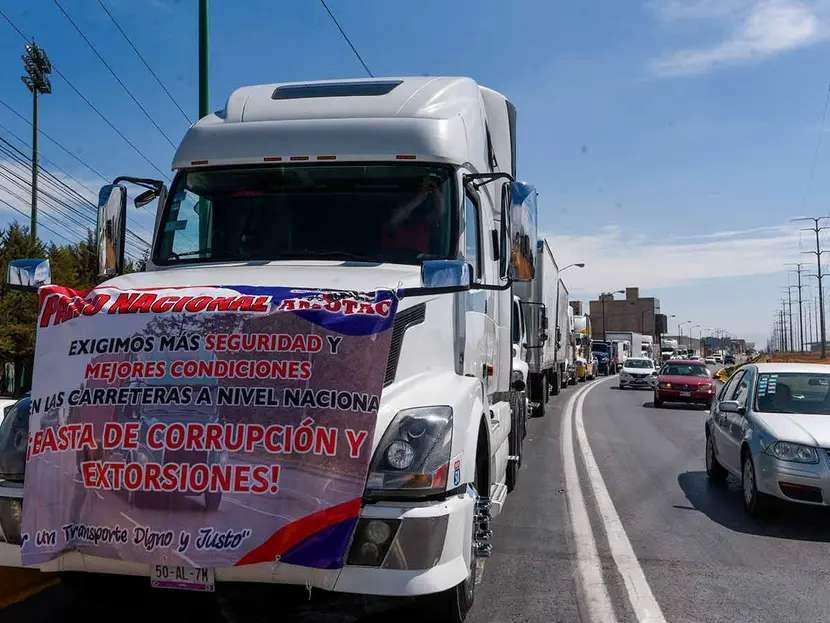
683	380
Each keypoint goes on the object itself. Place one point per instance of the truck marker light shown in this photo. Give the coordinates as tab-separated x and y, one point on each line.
405	157
326	157
272	158
298	158
198	162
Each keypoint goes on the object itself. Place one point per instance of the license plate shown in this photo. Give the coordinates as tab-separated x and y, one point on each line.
685	394
182	578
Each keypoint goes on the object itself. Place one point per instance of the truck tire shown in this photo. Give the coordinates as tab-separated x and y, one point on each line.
555	385
536	383
563	377
453	604
515	439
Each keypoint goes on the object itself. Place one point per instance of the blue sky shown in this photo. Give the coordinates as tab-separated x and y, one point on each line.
671	141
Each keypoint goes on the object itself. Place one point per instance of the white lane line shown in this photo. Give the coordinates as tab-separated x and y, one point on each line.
642	600
589	567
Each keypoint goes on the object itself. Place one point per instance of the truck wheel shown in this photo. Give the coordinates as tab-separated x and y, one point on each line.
555	385
536	384
453	604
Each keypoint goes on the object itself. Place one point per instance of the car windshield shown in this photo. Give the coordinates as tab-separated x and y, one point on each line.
793	392
399	213
685	369
638	363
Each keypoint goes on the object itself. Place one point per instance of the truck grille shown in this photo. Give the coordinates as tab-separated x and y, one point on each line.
403	320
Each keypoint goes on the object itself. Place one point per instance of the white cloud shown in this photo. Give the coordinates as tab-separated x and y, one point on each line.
757	31
615	258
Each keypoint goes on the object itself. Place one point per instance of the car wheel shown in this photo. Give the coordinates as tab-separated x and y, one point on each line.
755	502
622	386
657	402
714	470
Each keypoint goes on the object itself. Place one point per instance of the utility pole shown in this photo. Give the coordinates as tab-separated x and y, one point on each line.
204	98
38	68
800	308
816	229
790	316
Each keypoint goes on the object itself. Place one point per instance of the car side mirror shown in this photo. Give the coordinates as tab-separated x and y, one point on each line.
28	274
732	406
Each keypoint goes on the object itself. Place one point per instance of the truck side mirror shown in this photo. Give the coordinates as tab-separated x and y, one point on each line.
111	229
28	274
446	274
522	223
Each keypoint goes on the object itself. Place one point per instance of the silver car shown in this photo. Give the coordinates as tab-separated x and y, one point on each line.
770	427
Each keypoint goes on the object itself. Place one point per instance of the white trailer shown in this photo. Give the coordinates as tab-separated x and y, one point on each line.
544	311
294	185
631	344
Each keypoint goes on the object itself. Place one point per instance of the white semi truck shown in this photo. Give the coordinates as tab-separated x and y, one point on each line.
630	345
312	185
545	304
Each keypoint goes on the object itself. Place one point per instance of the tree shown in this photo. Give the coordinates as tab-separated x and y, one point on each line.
72	265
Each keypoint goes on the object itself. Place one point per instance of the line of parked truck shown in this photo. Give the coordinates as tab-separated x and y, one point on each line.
309	185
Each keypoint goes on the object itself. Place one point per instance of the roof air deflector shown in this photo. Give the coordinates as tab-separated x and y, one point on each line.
335	89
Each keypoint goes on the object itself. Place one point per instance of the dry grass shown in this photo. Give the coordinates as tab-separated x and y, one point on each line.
793	358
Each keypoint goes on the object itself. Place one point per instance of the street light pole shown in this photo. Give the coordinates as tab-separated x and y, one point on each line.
38	67
602	296
204	97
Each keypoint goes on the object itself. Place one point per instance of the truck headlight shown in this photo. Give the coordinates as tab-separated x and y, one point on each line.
795	452
414	454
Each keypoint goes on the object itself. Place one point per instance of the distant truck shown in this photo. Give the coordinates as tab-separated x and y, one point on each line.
668	348
648	346
630	344
584	358
545	306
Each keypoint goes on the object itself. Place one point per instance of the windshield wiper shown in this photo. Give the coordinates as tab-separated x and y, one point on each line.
329	254
178	256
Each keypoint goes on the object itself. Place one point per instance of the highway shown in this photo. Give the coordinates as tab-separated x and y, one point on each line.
613	519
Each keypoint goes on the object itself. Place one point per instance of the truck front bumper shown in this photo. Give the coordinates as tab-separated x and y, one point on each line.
429	552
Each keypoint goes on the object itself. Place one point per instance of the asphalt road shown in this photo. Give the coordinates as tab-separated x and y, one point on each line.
669	541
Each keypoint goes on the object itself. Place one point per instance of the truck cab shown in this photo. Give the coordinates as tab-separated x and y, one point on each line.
354	185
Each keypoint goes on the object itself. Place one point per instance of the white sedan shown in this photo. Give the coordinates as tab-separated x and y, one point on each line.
638	372
770	427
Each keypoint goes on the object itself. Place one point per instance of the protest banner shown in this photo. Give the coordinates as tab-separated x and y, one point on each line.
207	426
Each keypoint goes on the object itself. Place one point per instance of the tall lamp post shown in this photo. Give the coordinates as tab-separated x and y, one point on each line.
602	296
562	270
680	332
38	68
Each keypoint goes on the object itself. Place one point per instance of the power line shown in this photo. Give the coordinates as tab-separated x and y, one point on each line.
131	254
43	158
46	227
114	75
72	192
819	141
40	131
346	37
92	106
61	206
144	61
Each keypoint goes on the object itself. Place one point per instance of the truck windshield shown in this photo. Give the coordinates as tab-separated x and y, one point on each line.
399	213
599	348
